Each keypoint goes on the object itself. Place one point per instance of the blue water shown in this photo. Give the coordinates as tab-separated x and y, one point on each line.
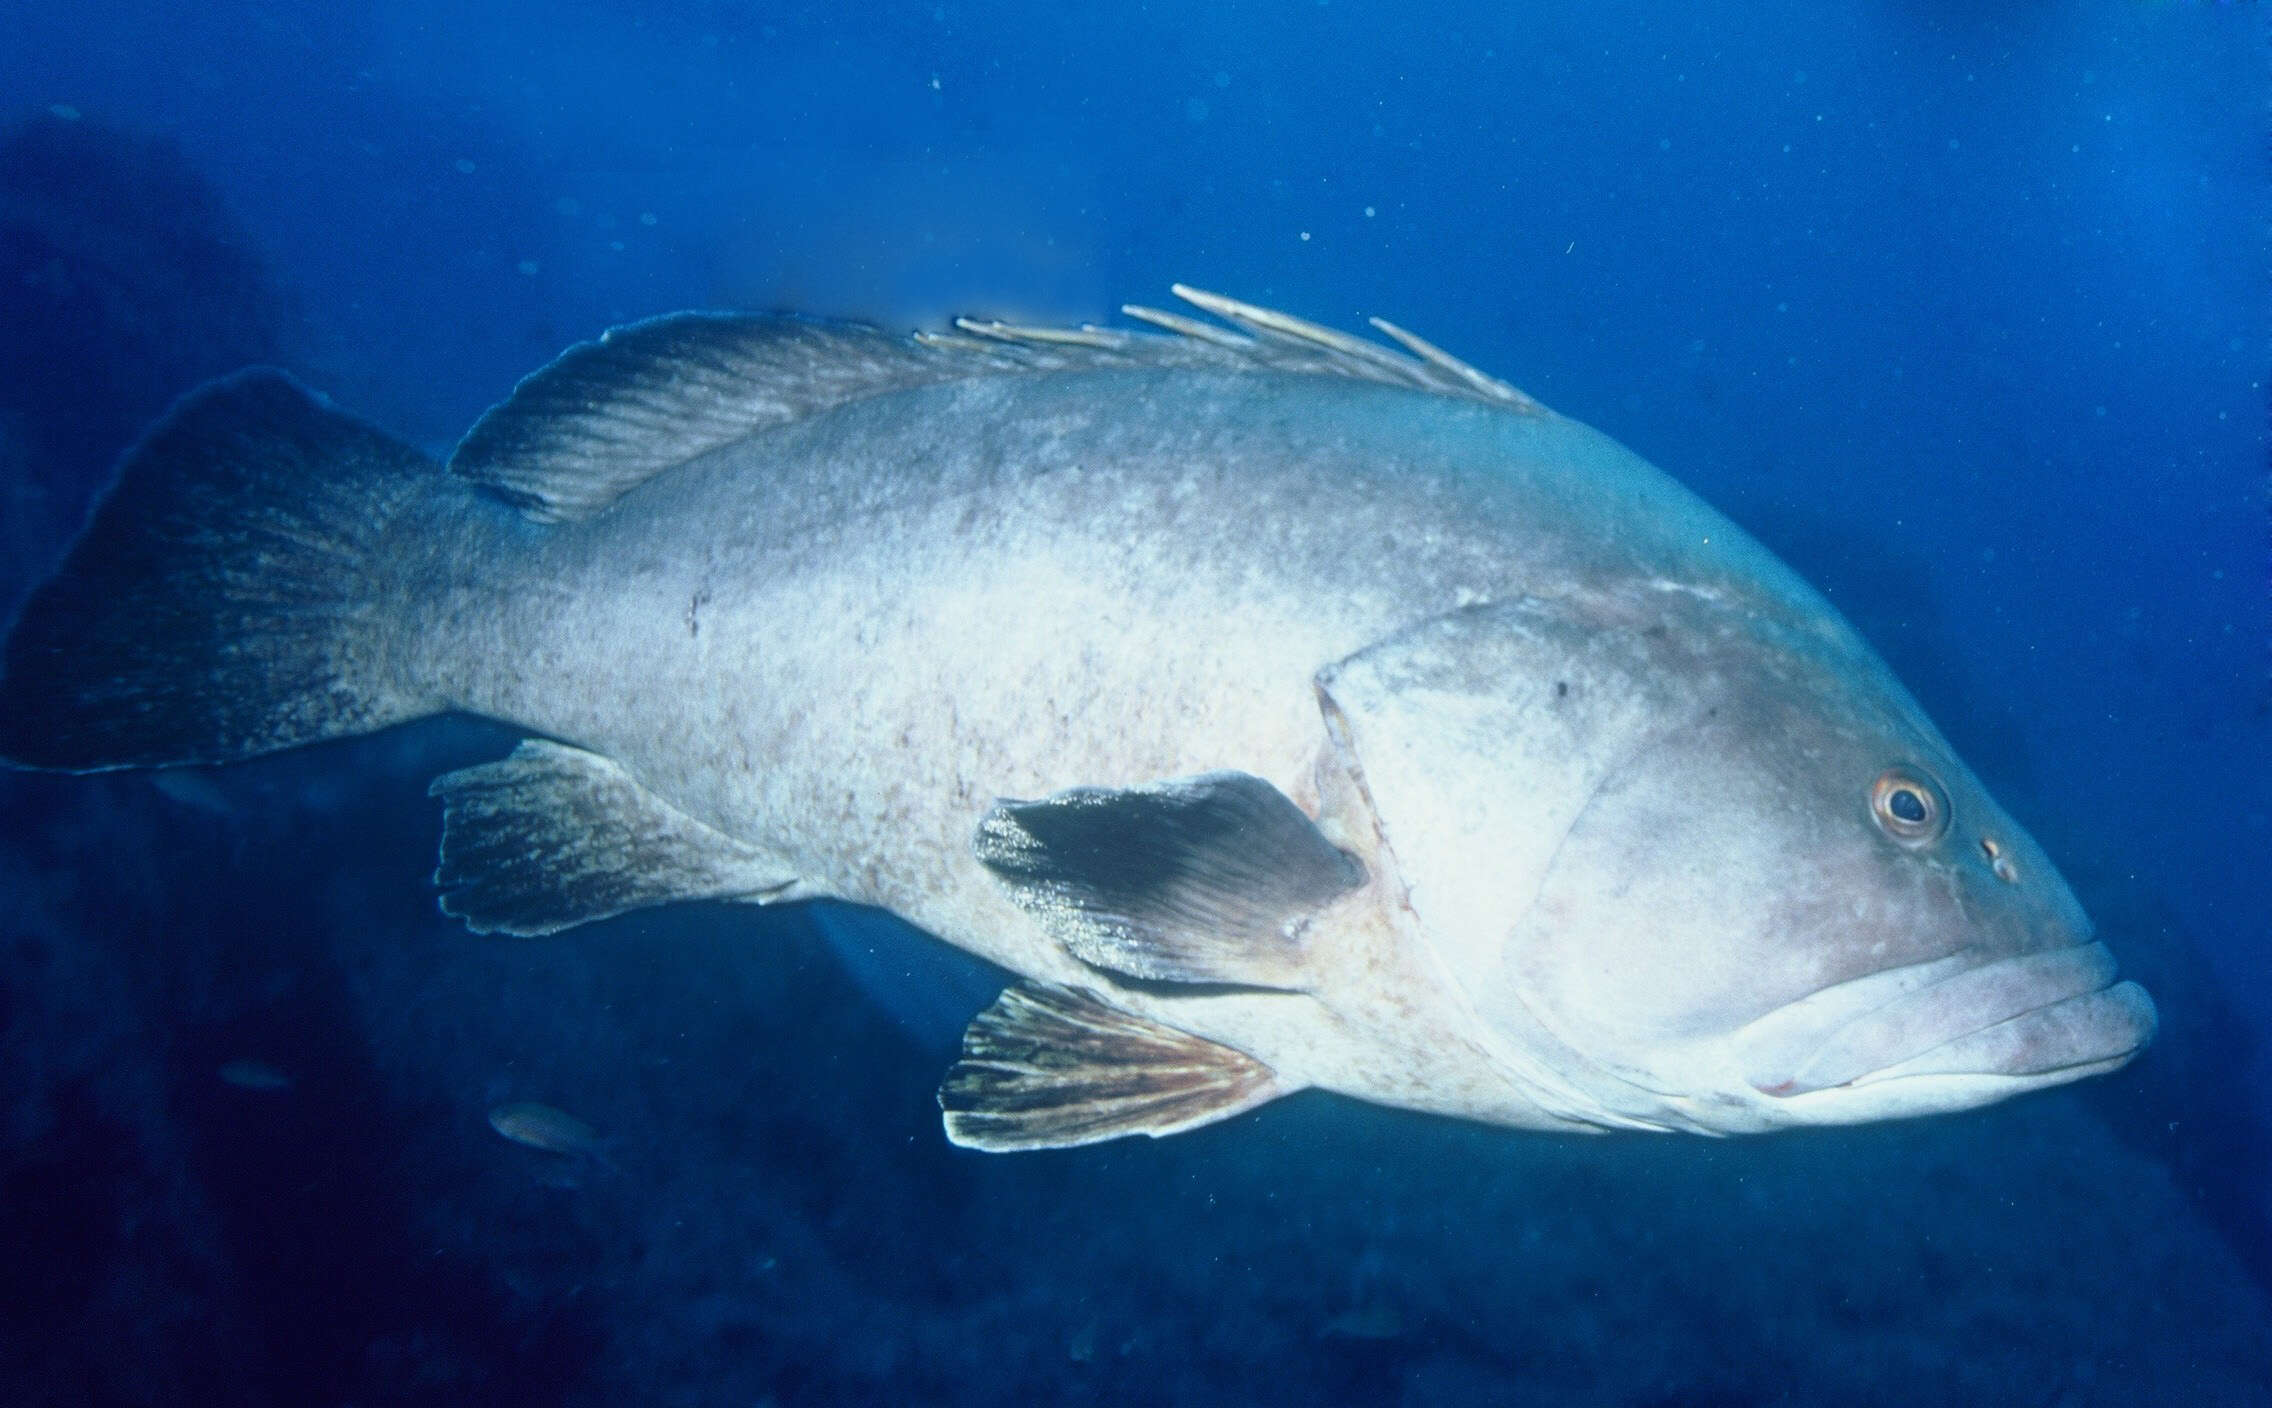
1964	313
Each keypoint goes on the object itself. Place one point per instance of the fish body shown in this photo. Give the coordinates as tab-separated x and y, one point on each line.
1284	711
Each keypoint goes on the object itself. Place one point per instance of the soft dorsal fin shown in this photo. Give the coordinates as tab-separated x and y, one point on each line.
608	415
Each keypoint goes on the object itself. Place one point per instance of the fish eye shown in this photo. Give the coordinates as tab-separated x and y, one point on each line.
1909	806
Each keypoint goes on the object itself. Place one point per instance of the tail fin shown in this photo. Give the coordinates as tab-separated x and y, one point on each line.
224	600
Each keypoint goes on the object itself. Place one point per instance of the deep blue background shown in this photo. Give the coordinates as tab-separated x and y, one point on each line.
1964	313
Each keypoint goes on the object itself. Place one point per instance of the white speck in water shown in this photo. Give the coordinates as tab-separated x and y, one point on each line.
646	217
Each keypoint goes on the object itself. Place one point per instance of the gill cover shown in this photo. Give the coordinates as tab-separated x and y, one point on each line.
1478	738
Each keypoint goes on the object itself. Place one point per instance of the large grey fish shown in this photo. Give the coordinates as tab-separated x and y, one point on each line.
1286	709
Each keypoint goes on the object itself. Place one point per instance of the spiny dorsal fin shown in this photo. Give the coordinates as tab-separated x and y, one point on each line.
1330	352
1048	1067
608	415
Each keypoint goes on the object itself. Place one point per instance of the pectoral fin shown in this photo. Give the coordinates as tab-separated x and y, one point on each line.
1208	879
554	836
1050	1067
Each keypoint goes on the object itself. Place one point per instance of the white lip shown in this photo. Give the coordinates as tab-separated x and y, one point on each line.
2030	1016
2088	1030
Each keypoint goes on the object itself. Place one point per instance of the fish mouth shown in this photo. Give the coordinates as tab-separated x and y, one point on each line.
1981	1029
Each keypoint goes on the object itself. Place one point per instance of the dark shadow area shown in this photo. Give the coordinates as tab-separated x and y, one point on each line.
315	1196
123	283
75	1207
266	1236
2184	1102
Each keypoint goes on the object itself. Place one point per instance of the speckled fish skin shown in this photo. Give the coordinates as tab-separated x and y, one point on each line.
1607	765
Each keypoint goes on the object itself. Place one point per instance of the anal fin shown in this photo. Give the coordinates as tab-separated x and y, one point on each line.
554	836
1050	1067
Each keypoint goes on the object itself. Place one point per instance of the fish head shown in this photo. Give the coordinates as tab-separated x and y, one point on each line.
1697	866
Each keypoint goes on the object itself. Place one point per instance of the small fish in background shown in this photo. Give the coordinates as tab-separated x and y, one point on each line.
1371	1320
537	1126
259	1076
1082	1349
192	788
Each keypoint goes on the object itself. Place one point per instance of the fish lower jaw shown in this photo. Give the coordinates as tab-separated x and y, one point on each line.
2021	1015
1913	1097
2061	1040
1739	1108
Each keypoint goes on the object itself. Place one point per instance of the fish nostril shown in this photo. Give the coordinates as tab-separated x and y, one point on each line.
1999	862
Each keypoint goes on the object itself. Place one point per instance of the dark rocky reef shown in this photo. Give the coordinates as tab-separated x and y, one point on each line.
124	282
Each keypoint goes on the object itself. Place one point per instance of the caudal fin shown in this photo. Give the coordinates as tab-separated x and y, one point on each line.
224	601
